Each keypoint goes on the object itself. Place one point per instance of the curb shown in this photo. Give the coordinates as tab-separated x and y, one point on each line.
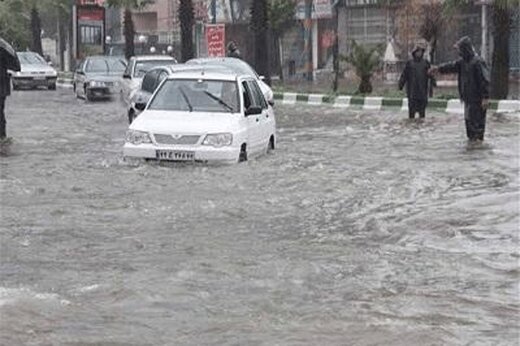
381	103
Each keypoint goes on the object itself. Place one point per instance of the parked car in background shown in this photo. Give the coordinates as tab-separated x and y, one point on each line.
153	78
35	72
135	71
98	77
238	66
203	116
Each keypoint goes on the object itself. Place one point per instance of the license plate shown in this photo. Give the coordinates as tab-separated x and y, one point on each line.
39	78
175	155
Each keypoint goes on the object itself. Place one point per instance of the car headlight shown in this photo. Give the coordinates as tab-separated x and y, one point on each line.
218	140
138	137
96	84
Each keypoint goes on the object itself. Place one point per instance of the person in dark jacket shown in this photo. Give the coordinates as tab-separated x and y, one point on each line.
232	50
416	77
473	84
5	90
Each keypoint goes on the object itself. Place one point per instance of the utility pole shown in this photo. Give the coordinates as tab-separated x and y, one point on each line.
483	48
335	47
308	40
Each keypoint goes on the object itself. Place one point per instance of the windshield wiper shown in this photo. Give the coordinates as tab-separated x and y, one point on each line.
186	99
219	100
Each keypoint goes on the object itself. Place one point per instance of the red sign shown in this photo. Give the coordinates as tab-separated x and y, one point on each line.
216	40
90	13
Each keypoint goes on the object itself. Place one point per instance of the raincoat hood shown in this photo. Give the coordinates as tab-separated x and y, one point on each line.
465	48
418	47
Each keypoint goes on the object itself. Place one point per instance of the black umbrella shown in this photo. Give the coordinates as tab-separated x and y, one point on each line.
8	56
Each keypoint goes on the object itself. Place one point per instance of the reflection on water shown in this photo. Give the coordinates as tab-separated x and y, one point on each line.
361	229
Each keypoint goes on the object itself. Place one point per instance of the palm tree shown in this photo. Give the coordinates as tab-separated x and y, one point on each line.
128	26
365	60
259	26
187	19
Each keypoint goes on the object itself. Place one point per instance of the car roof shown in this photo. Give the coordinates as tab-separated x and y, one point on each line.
177	68
235	63
206	75
153	57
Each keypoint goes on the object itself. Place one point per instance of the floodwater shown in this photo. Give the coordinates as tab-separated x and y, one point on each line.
360	229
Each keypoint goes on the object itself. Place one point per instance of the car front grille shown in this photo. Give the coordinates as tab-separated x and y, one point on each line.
176	139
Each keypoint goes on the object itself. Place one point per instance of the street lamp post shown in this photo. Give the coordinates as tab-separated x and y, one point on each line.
142	41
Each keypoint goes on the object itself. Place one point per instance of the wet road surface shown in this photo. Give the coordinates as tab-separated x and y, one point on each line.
360	229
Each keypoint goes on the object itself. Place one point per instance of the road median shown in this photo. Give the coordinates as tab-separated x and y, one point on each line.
387	103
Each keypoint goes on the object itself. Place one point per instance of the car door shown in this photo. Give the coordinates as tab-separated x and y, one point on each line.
148	85
254	128
266	117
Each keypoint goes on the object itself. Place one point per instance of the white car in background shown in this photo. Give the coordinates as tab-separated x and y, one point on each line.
135	71
241	67
205	117
35	72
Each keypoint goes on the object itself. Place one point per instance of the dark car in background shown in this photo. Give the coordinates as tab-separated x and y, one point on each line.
98	77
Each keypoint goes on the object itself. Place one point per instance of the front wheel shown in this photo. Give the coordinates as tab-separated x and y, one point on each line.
242	157
271	144
131	116
52	86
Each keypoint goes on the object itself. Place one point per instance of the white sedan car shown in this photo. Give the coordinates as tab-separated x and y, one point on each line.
203	116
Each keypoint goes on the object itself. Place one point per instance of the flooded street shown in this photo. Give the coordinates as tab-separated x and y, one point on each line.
360	229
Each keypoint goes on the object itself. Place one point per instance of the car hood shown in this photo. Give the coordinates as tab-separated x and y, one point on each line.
176	122
101	77
36	68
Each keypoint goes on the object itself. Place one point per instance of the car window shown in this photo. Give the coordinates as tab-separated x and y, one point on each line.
196	95
31	58
141	67
162	76
149	79
258	97
105	65
246	93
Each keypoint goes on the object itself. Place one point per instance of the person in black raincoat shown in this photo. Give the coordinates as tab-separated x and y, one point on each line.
473	84
416	77
5	90
232	50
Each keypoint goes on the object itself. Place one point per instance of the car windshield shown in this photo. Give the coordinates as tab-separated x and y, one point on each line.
105	65
141	67
31	59
194	95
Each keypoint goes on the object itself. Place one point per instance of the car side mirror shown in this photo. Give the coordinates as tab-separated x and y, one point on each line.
271	103
127	76
50	63
262	77
140	106
253	110
79	72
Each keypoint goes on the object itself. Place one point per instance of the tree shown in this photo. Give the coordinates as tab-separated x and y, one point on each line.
14	24
128	26
36	31
281	19
365	60
502	21
187	19
259	26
